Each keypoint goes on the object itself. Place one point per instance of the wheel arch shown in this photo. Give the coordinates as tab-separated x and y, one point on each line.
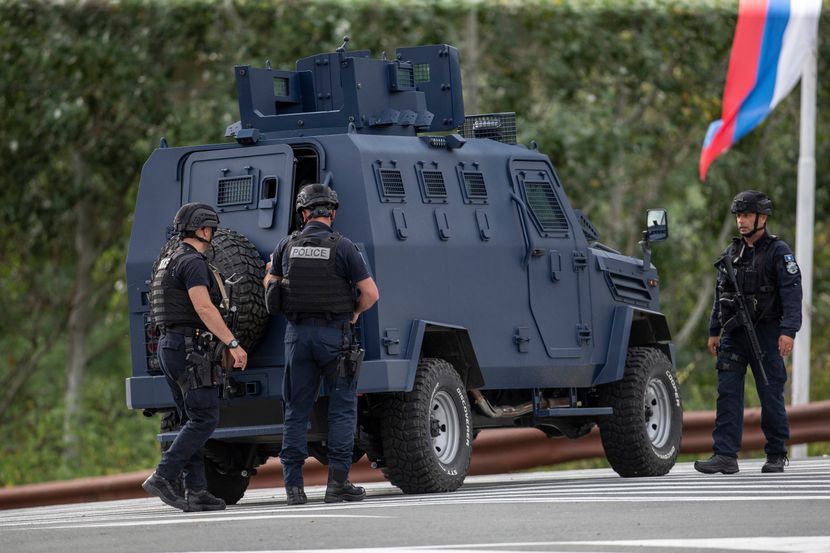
633	327
445	341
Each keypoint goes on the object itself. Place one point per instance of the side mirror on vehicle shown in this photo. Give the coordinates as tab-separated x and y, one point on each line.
657	225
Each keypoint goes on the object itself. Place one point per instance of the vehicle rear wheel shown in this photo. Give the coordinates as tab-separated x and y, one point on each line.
642	437
225	471
427	433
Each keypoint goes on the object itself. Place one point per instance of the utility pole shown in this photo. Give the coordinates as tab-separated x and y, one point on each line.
805	218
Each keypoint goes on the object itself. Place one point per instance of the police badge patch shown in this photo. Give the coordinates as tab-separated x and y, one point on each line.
792	267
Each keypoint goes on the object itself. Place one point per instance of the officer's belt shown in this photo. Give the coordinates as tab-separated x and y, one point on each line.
342	324
187	331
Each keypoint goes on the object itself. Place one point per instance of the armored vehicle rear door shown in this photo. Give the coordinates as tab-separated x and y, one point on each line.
241	180
554	261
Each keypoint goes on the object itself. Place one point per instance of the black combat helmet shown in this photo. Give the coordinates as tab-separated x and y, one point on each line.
752	201
193	216
317	195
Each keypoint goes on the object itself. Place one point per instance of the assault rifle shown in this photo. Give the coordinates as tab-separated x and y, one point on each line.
742	316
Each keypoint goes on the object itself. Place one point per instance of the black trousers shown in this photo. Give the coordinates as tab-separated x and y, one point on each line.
731	374
199	411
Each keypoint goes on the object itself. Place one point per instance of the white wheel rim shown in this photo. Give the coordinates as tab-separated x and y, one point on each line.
443	415
658	412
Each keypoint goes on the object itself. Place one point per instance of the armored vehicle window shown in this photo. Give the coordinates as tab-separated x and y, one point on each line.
406	77
472	184
235	190
434	184
421	72
390	185
433	189
392	182
280	86
545	207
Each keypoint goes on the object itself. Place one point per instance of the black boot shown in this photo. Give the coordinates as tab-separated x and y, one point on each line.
343	491
775	463
165	490
296	495
203	500
717	463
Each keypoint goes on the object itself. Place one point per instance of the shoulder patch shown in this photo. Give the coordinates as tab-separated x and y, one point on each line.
792	266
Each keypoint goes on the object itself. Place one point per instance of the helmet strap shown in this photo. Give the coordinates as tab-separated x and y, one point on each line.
755	227
202	240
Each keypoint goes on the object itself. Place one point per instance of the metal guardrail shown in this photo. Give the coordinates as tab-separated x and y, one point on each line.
494	452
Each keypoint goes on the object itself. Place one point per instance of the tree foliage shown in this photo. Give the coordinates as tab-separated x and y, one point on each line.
618	93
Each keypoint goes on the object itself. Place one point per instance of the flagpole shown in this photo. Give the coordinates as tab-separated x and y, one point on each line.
805	216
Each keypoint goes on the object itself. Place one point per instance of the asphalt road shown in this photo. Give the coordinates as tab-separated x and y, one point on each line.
573	511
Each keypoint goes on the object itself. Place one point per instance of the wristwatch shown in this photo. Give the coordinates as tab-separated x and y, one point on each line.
233	343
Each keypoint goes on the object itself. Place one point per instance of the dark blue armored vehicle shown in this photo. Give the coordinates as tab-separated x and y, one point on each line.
499	306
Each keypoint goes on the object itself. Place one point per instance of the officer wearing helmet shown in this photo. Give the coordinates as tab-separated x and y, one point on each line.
184	296
325	285
770	281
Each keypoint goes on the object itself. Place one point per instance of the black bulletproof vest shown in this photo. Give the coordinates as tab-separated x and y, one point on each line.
313	285
754	278
169	302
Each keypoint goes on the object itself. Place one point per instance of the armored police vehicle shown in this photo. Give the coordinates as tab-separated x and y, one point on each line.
499	306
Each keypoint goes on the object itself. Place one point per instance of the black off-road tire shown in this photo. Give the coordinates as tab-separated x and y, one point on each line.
642	437
233	254
224	471
427	433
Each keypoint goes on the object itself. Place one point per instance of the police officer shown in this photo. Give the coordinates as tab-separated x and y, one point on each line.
770	281
185	294
319	270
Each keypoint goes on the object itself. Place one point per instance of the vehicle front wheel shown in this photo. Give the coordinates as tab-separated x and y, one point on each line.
642	437
427	433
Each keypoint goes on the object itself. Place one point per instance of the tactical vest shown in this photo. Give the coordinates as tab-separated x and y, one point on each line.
169	301
754	279
313	285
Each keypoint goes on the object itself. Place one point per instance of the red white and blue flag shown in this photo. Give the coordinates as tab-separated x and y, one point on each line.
772	39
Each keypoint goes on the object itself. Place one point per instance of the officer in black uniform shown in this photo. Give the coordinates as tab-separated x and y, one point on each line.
317	271
185	293
770	281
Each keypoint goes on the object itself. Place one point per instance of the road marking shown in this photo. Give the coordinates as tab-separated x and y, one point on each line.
210	520
795	544
800	544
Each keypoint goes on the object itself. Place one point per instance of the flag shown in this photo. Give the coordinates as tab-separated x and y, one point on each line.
771	40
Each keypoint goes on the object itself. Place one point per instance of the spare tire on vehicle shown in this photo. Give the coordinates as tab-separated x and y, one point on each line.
238	261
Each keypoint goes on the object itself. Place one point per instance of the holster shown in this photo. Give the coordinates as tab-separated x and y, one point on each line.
353	361
201	368
350	360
